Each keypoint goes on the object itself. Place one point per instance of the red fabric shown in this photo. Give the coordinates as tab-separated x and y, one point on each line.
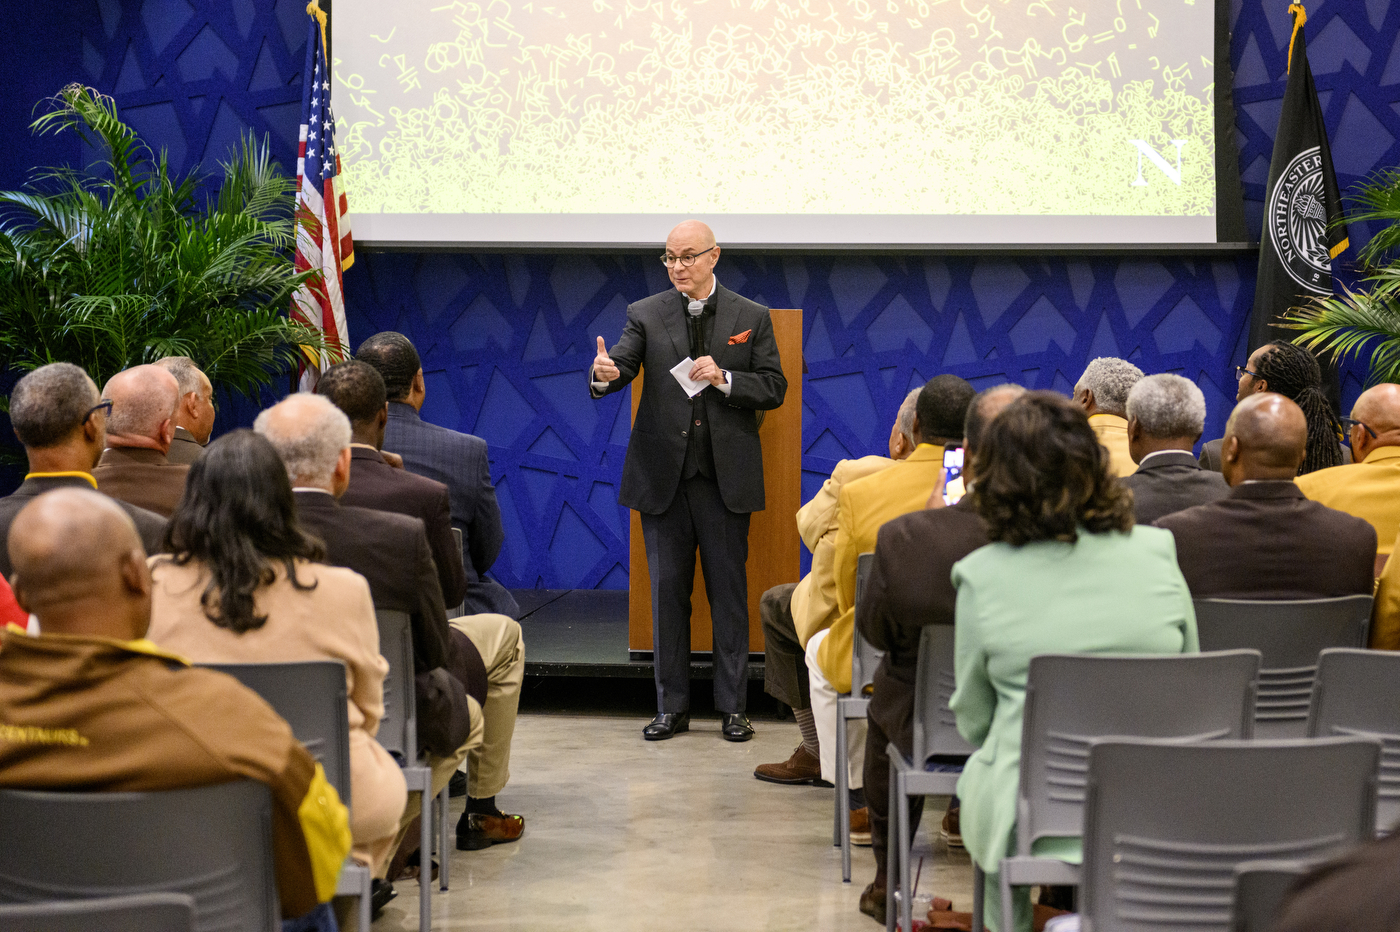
10	612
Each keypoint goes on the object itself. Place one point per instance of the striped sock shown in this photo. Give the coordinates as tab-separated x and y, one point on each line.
808	726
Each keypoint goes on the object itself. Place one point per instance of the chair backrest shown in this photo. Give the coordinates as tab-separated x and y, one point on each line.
1289	635
1072	699
864	658
398	730
1165	824
1260	887
311	696
1357	692
460	609
213	843
148	912
935	729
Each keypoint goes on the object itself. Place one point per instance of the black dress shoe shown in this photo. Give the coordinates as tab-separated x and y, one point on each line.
380	893
665	725
457	786
736	727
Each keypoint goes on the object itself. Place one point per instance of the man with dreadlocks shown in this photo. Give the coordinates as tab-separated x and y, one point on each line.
1293	372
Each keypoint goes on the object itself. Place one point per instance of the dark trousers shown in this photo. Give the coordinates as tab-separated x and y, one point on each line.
877	794
785	676
697	517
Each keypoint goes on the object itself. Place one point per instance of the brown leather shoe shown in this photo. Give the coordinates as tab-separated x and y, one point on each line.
872	903
801	769
477	831
860	827
951	830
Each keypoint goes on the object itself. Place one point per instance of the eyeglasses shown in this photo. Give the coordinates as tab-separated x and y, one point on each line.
684	262
104	406
1241	372
1350	422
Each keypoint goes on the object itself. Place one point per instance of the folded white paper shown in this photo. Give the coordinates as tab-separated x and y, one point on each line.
681	371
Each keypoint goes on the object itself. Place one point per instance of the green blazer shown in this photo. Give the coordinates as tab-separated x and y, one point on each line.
1105	594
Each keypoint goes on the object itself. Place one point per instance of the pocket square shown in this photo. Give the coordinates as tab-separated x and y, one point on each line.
740	337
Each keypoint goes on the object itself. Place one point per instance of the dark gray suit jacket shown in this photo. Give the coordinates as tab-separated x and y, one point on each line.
1168	482
459	462
149	525
656	339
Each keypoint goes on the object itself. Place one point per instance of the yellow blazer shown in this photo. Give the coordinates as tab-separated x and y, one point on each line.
1369	490
814	599
864	506
1112	432
1385	611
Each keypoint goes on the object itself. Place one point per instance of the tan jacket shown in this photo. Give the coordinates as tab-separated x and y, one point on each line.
1369	490
1112	432
865	505
103	715
814	599
141	477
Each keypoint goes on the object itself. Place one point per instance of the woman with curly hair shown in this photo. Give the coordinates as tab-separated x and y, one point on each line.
1066	572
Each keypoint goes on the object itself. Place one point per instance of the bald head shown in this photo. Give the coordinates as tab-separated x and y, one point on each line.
143	408
312	436
692	240
79	566
1379	409
1265	438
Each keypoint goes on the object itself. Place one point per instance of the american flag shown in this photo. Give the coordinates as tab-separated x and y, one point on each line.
323	224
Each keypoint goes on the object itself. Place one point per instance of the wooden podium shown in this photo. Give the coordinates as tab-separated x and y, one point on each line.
774	545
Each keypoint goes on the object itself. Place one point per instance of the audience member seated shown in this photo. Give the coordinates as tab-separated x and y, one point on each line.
1265	540
911	586
1293	372
56	413
455	459
194	415
90	705
1385	613
391	551
1370	487
1103	392
1166	415
242	585
1067	572
357	389
863	506
1356	892
792	612
140	428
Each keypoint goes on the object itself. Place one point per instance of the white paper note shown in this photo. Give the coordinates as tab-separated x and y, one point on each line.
681	371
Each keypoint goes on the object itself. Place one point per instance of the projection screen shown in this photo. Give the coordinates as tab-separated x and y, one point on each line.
856	122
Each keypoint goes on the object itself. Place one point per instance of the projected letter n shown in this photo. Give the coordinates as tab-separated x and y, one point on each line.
1155	158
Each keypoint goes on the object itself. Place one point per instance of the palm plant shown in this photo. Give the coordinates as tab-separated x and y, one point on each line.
1368	315
122	264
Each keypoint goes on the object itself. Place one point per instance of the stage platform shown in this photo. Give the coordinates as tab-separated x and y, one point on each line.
583	632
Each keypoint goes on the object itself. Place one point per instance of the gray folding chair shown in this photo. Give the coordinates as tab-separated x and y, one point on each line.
1289	635
398	733
212	843
1072	699
1166	824
146	912
311	696
935	735
1260	887
460	609
852	705
1357	692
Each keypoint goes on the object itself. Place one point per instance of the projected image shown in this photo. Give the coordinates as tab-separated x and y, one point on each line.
814	107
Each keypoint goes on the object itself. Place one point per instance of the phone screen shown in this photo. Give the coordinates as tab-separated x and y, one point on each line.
953	487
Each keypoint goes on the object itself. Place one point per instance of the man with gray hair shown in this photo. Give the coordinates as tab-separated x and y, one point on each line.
134	467
1166	415
194	415
792	612
56	413
1103	391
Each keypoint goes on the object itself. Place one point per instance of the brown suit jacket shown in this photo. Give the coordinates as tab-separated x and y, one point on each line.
144	478
911	586
184	449
1265	540
149	525
377	485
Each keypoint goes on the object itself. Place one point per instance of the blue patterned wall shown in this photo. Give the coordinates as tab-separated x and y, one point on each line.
506	338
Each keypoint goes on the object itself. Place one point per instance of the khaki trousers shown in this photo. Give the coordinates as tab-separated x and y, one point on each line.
443	768
498	639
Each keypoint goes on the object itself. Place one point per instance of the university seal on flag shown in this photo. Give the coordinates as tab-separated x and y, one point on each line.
1298	222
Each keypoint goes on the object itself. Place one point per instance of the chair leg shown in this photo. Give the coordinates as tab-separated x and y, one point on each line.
444	846
893	840
906	854
979	890
1007	906
366	893
843	798
425	863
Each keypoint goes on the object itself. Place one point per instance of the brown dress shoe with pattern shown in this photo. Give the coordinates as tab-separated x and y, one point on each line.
476	831
860	827
801	769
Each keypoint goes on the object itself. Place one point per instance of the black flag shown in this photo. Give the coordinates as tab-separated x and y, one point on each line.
1302	206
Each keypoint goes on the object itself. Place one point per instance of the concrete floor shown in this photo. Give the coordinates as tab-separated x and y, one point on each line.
624	834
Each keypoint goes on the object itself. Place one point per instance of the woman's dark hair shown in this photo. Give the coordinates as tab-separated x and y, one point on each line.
238	517
1293	372
1042	475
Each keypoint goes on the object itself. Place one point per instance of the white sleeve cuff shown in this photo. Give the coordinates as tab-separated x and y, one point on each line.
728	385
